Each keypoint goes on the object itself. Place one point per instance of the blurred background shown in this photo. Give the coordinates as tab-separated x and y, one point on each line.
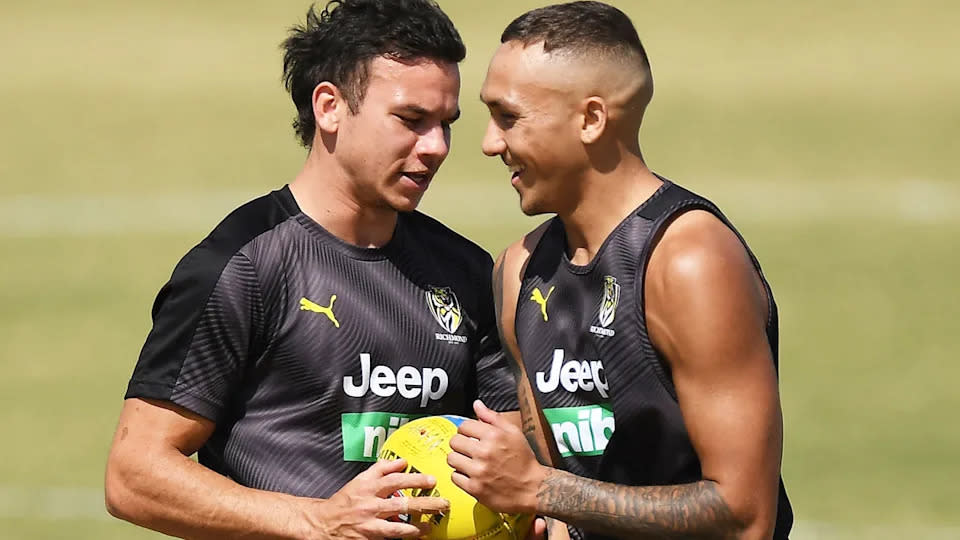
828	131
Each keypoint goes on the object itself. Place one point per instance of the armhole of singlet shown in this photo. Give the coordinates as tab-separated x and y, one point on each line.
659	227
660	223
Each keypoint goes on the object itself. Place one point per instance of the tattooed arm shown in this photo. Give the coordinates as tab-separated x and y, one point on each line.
507	274
683	511
533	424
707	313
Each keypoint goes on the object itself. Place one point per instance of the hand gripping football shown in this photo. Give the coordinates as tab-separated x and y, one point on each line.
425	443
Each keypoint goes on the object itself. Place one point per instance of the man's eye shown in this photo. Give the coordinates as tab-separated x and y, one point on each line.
409	121
506	119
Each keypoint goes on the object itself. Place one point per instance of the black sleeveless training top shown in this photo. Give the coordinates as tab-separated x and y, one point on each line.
606	392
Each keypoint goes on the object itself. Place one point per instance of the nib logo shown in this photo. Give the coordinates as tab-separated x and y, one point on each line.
364	433
581	431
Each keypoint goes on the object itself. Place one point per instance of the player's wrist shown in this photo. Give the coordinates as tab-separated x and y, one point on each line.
540	474
307	517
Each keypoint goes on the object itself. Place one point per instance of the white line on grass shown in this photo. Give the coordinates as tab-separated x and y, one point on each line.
819	530
477	206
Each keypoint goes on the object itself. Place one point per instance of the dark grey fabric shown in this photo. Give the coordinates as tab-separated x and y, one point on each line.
606	391
242	335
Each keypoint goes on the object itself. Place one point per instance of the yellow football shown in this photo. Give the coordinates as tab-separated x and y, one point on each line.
425	443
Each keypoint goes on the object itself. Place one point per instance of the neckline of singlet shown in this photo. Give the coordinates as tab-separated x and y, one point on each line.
587	268
329	239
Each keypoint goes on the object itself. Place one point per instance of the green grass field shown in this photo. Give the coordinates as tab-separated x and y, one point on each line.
829	132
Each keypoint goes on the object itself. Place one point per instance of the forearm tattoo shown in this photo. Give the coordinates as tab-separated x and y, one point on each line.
683	511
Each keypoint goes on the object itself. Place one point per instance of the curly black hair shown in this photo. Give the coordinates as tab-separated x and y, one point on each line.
338	43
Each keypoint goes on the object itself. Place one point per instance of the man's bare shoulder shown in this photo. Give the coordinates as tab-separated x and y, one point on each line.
703	294
514	258
508	274
697	245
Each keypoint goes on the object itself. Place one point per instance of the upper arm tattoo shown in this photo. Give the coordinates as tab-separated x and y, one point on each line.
537	436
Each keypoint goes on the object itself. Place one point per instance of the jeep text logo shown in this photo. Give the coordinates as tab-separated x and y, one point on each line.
573	375
430	383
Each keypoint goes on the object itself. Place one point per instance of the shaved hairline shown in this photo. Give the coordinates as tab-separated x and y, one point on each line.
608	53
613	72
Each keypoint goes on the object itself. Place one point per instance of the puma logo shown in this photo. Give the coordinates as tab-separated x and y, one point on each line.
538	297
307	305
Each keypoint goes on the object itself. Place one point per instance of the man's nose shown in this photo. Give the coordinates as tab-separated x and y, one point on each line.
493	144
435	143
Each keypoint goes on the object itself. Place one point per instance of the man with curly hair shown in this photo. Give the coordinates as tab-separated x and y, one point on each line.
315	320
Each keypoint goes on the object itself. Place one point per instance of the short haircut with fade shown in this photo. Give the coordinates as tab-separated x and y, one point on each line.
579	27
337	44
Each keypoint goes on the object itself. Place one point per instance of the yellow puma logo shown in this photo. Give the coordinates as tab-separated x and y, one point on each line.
538	297
307	305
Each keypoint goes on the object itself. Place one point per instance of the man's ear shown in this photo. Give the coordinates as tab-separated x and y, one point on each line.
328	107
595	115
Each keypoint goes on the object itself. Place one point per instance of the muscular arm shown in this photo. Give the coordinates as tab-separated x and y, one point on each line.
683	511
152	482
507	274
530	417
706	313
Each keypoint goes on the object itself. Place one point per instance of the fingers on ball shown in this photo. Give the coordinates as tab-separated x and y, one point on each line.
386	467
397	481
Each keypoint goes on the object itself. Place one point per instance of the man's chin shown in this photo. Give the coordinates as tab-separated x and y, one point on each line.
406	204
531	207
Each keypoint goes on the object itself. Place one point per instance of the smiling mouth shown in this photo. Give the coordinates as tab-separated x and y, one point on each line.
515	173
418	178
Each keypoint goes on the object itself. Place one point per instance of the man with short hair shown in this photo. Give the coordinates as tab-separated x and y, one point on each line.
642	329
315	320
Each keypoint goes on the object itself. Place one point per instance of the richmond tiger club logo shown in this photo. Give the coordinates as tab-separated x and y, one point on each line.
608	307
445	308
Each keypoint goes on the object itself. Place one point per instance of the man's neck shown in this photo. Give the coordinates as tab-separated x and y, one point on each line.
327	194
605	201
